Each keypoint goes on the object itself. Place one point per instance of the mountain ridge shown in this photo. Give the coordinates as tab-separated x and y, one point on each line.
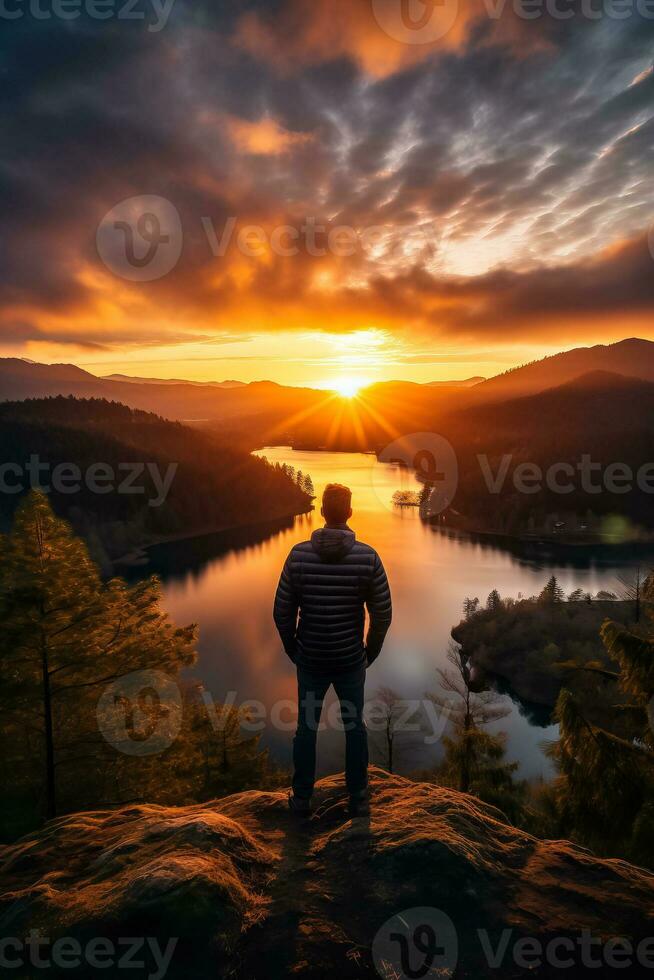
134	379
266	412
633	356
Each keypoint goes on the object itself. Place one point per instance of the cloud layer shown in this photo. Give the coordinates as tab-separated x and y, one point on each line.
494	181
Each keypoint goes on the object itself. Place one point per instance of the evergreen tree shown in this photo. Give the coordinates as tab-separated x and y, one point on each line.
605	789
552	592
218	756
66	636
308	486
494	601
470	607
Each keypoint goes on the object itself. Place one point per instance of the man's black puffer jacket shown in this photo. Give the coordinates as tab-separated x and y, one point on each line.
328	581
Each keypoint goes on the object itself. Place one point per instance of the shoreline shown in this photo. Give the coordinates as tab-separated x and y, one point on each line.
543	542
529	539
138	556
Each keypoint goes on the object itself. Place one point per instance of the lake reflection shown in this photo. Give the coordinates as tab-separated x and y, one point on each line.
226	583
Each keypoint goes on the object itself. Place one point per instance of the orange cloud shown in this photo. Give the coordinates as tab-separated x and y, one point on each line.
264	137
327	29
382	36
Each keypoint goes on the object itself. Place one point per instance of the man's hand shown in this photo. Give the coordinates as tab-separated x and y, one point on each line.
286	610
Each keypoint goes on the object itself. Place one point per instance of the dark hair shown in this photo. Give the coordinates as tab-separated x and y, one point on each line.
336	503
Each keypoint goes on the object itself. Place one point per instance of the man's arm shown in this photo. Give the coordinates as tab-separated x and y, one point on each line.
286	608
380	610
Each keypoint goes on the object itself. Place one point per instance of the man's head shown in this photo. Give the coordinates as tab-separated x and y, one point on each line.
336	504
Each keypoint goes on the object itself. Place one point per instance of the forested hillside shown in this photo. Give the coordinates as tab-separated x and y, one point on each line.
592	659
124	477
584	448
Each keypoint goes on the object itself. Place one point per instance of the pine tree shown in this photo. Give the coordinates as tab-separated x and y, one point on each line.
470	607
605	790
219	756
308	486
494	601
552	592
66	636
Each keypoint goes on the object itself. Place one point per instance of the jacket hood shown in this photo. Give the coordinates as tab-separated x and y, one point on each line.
333	543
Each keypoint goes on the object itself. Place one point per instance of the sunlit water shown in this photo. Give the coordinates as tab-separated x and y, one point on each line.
226	585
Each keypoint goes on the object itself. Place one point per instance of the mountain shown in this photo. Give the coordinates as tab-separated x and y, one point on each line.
632	357
173	400
172	381
265	413
602	418
26	379
158	479
468	383
252	895
256	414
596	402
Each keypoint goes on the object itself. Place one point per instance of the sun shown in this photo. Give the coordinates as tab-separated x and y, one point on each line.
349	387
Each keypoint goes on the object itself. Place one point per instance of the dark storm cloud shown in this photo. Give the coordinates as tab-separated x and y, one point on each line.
16	334
617	284
523	147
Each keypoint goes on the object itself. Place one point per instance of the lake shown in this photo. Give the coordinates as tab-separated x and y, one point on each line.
226	583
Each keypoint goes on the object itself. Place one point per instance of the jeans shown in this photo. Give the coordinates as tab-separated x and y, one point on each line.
312	689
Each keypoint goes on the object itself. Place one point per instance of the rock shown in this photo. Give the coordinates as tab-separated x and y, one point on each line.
250	891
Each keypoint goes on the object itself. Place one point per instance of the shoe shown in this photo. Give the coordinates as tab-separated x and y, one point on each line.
359	804
299	805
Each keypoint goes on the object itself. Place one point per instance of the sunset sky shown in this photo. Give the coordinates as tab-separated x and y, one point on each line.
495	181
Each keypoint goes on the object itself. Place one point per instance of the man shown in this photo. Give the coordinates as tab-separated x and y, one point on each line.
328	581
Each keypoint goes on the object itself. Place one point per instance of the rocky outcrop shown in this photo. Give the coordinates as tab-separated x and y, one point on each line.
248	891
